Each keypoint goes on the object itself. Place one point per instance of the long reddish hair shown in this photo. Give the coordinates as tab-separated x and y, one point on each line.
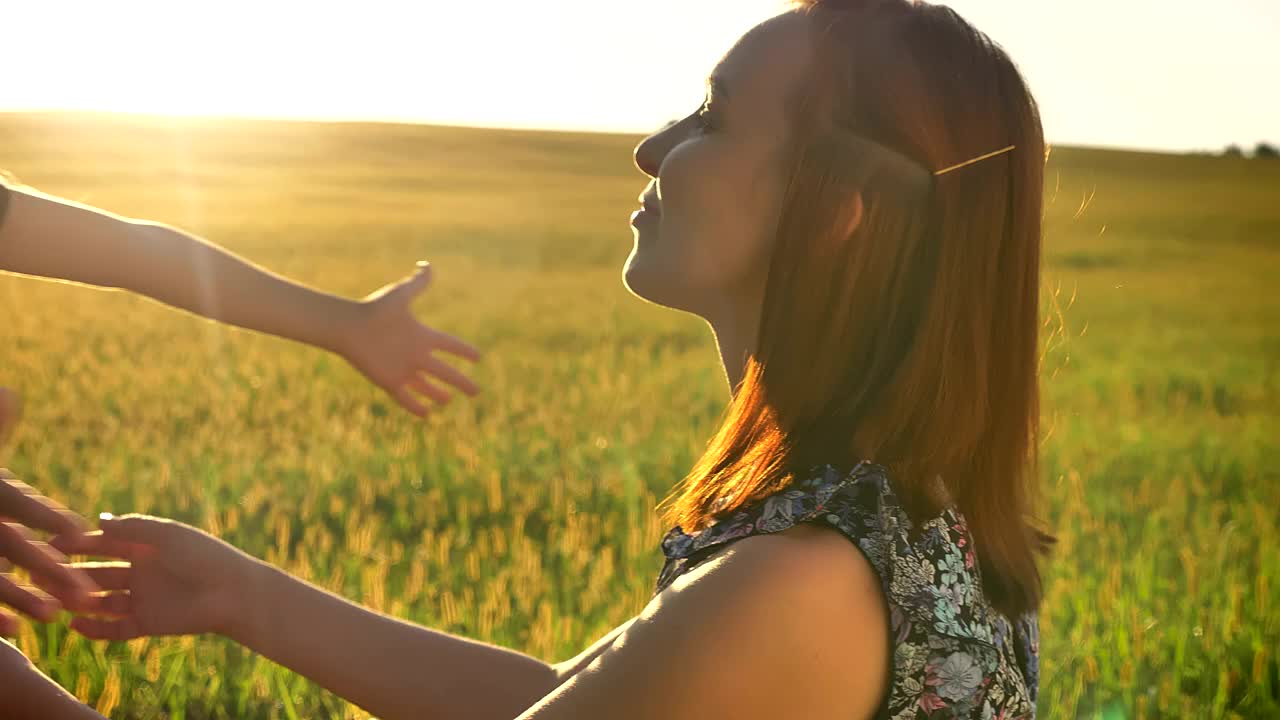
904	329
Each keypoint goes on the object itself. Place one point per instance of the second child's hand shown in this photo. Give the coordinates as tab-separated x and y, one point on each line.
22	509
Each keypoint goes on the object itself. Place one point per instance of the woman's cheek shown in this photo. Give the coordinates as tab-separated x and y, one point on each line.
703	250
713	221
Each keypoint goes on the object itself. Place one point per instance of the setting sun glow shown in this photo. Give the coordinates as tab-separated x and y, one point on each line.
1105	74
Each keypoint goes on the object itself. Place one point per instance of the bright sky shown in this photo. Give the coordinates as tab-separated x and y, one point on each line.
1172	74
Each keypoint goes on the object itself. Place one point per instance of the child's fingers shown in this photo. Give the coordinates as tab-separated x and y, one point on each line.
111	605
427	388
455	346
408	401
125	628
95	543
451	375
42	561
32	602
112	577
22	503
8	624
71	596
107	575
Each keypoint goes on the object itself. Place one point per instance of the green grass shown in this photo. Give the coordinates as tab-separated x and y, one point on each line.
526	518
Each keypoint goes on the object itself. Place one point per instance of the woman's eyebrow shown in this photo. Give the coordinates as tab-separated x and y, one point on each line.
716	87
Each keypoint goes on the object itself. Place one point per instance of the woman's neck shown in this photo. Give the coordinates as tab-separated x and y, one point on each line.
736	334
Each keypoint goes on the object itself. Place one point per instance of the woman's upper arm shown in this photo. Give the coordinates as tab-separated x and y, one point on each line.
569	668
774	627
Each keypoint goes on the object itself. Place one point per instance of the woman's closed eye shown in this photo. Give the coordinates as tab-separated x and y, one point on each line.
705	118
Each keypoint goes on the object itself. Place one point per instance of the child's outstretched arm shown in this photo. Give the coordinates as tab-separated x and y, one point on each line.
52	237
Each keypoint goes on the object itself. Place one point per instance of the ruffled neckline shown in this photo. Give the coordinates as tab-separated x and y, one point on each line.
821	483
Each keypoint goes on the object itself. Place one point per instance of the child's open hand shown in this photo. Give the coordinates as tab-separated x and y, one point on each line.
168	579
398	353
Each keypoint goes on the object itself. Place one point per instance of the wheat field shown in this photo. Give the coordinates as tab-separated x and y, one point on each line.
526	517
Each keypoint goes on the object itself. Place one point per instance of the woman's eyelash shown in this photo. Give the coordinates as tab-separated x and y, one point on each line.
704	117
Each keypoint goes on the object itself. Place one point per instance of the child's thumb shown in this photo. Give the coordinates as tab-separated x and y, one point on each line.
424	273
419	281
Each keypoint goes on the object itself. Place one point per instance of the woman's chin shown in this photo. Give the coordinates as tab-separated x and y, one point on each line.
634	277
653	284
642	279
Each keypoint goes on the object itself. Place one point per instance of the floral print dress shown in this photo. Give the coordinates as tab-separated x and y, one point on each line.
954	656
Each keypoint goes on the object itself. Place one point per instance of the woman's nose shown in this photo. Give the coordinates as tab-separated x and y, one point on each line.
650	152
646	156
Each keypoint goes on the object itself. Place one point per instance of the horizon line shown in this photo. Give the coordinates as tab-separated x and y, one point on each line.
516	127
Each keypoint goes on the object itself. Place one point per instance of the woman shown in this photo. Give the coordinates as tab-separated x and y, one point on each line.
50	237
855	212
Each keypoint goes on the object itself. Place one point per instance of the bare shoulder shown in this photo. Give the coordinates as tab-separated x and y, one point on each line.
791	624
808	563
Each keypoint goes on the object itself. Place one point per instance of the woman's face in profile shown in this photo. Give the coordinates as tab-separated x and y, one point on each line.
704	238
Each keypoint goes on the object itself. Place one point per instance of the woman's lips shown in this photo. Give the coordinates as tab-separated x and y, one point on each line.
650	204
648	210
644	214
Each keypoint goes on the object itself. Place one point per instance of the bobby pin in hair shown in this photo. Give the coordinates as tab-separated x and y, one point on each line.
980	158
